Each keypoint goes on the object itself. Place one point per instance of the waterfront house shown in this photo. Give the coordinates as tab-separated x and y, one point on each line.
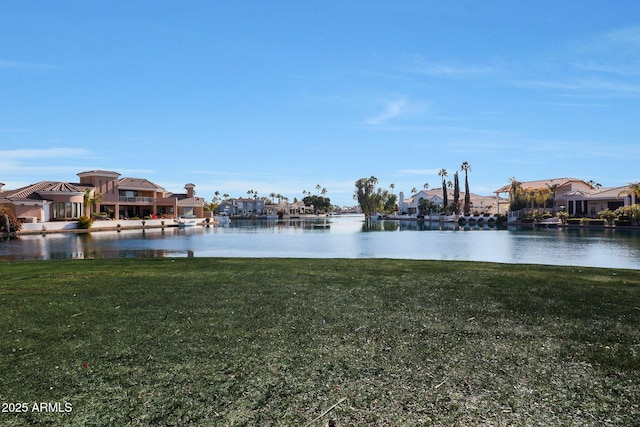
114	196
139	197
578	197
227	207
242	207
478	203
249	207
46	201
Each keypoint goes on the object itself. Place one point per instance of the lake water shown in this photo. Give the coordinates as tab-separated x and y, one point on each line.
344	237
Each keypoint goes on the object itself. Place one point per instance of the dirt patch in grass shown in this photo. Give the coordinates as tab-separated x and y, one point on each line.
297	341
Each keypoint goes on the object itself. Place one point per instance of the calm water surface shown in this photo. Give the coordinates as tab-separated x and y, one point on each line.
344	237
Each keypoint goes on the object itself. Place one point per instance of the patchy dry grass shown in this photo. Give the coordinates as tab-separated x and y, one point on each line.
280	341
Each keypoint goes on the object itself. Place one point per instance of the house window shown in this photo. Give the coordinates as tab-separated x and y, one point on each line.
54	210
69	213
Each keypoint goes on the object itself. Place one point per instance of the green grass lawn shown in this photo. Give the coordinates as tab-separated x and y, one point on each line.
202	341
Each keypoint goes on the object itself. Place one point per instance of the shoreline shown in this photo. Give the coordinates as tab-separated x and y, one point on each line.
97	226
120	225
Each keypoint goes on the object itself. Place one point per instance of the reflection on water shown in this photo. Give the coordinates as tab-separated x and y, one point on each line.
390	225
344	237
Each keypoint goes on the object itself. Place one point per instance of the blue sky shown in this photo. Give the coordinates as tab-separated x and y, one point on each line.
279	96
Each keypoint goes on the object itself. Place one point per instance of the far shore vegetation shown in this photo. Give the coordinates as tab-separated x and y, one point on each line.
318	342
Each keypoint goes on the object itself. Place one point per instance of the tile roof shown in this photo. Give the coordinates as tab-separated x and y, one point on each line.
138	183
33	192
543	183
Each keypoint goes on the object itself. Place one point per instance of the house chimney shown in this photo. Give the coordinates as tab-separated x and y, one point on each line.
190	191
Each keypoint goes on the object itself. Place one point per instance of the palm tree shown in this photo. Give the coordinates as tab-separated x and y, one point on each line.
456	193
414	190
318	187
540	197
92	199
554	189
96	201
426	186
87	201
392	187
633	192
323	192
634	187
443	174
516	187
466	167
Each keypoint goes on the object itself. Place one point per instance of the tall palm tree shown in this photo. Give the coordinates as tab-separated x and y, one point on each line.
318	187
456	193
392	187
443	174
426	186
414	190
466	167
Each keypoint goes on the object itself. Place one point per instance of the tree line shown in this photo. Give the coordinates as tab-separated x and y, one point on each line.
372	199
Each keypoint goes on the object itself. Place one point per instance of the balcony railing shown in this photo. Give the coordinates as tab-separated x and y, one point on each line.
136	199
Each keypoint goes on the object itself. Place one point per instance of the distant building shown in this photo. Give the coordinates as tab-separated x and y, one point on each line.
479	204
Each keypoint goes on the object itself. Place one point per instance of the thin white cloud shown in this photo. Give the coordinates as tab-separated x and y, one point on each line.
417	64
626	39
603	66
419	171
589	87
393	109
24	65
32	153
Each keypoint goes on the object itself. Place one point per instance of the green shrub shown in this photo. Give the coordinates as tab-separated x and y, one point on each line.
574	221
85	222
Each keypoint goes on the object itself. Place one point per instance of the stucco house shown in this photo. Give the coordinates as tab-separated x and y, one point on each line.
117	197
46	201
139	197
480	204
242	206
578	197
